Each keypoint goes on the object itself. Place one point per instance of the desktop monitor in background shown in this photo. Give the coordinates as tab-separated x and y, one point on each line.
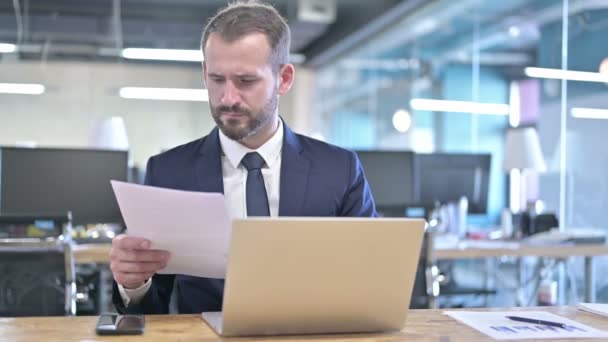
447	177
52	180
391	177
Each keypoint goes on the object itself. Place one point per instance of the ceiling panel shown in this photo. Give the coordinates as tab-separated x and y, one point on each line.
157	23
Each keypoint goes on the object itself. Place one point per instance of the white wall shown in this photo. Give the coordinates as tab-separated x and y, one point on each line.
297	106
79	93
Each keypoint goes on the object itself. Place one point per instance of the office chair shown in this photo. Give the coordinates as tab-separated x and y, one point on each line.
37	274
532	224
430	282
542	223
426	283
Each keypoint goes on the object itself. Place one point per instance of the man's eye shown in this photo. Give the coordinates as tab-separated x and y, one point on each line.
247	80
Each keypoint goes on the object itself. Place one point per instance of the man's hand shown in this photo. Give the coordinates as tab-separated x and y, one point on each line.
133	262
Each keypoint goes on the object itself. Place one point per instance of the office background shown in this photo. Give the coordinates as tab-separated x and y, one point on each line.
363	72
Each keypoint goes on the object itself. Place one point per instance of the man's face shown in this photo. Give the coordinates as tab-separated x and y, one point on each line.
243	91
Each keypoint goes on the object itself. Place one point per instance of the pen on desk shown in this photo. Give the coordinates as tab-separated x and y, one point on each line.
536	321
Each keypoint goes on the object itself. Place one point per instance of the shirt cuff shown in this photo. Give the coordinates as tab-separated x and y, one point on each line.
134	296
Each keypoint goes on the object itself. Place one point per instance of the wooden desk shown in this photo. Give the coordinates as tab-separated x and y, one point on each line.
422	325
98	253
473	249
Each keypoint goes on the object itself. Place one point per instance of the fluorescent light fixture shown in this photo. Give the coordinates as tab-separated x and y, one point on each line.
589	113
569	75
7	48
21	88
460	106
169	94
163	54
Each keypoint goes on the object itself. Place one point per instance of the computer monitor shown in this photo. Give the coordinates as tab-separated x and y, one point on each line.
391	177
445	177
53	180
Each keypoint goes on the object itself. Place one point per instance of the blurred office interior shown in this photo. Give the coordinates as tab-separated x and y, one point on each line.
502	103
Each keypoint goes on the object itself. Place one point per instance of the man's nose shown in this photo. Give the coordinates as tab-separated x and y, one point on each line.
230	96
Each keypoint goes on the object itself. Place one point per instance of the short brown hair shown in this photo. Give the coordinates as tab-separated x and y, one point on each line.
243	17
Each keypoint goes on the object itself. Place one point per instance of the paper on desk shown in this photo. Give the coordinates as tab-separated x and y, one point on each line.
193	226
496	325
598	309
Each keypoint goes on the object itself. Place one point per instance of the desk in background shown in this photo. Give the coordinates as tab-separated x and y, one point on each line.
422	325
99	253
96	253
495	249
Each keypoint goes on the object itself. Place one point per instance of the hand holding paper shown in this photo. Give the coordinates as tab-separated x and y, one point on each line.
133	262
193	227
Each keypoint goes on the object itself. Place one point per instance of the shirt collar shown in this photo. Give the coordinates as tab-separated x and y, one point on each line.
270	150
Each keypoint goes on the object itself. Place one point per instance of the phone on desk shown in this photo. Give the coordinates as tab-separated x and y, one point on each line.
120	325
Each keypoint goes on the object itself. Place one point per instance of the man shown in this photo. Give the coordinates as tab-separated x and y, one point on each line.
261	166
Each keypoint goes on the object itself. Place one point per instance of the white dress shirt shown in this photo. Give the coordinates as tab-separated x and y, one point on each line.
235	179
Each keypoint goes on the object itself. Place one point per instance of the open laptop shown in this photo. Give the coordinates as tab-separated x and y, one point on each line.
318	275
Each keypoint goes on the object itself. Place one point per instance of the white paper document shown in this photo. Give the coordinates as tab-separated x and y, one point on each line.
193	226
496	325
598	309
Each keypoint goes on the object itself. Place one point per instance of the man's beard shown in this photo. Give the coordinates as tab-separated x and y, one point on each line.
231	127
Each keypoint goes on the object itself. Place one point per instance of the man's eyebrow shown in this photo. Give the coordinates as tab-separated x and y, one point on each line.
213	74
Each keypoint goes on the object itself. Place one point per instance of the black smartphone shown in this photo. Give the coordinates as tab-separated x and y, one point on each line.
120	325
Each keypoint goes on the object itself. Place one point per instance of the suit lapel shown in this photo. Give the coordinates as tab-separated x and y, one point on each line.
295	169
209	164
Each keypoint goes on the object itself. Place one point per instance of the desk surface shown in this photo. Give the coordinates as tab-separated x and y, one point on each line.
488	249
422	325
92	253
99	252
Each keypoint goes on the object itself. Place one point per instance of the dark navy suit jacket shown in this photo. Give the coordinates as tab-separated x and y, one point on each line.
317	179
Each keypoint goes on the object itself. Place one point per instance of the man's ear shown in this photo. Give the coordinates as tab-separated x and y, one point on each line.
286	77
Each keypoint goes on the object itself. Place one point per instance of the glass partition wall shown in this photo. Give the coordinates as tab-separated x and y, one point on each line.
462	76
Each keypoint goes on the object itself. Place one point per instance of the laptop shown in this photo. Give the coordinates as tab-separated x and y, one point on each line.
318	276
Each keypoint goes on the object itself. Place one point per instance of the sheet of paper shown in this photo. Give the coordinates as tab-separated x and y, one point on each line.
193	226
598	309
496	325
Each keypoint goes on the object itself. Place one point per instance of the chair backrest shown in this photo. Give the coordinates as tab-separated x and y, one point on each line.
543	222
37	274
426	285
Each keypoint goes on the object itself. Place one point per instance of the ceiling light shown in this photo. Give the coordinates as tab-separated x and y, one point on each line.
169	94
569	75
589	113
163	54
402	120
514	31
7	48
21	88
604	67
460	106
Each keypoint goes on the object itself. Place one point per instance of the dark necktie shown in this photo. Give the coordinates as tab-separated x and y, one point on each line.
257	200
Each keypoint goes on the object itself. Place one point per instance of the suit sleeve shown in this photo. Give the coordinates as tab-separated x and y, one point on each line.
358	200
156	300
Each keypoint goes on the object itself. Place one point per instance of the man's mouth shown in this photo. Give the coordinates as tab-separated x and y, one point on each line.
232	115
